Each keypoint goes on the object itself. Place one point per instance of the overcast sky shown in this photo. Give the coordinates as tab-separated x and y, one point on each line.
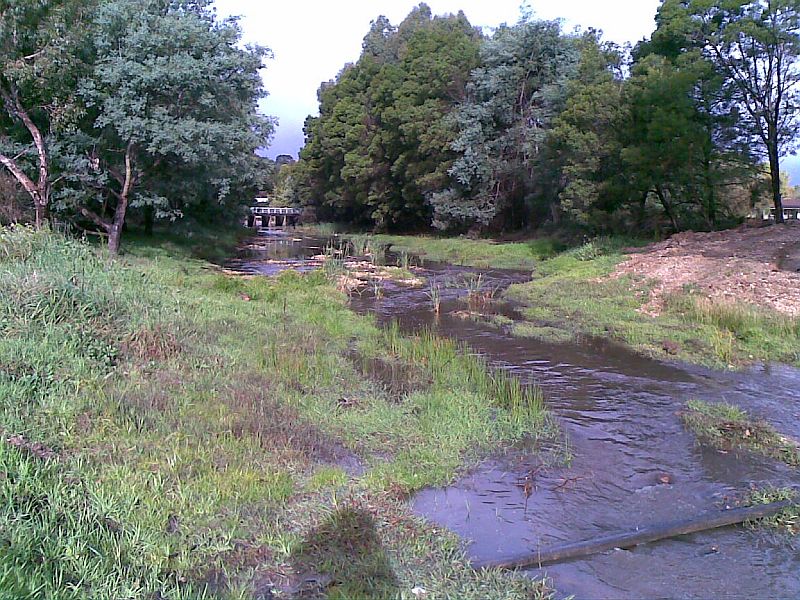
313	39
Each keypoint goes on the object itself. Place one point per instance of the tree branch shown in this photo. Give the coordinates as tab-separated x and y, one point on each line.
95	218
20	176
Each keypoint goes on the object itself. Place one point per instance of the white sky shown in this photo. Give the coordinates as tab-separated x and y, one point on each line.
313	39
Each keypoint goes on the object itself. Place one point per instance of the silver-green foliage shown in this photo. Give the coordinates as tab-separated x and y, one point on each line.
512	99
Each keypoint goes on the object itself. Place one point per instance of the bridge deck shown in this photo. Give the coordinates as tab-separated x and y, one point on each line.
271	211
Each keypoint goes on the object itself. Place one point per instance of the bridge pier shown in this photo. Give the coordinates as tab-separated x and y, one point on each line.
268	216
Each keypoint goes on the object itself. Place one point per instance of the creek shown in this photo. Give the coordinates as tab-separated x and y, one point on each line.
633	462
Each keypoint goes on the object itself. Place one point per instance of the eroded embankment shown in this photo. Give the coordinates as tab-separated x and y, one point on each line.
758	266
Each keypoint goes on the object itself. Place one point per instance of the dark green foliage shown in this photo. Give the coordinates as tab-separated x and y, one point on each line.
382	144
549	128
584	144
502	127
754	46
685	147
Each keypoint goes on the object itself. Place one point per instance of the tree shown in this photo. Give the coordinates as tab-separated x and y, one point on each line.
755	43
382	143
686	141
502	127
287	191
584	142
40	65
172	105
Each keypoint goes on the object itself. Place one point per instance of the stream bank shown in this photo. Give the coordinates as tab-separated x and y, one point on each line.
633	461
725	299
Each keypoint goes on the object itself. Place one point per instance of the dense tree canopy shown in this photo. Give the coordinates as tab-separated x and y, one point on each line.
143	105
117	108
382	143
437	125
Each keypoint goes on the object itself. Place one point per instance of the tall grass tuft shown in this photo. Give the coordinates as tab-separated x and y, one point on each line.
479	294
404	260
434	294
360	245
732	324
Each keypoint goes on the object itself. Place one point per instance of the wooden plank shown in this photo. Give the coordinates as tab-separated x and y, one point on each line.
653	533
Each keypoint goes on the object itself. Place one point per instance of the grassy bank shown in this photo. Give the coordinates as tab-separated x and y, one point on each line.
172	432
571	294
474	253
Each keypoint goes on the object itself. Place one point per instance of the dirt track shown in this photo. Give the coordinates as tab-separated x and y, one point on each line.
755	265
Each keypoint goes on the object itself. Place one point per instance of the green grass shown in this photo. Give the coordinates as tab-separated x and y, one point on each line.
474	253
573	295
728	427
170	431
787	521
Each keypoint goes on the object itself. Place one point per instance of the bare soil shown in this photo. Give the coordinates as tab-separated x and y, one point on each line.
754	265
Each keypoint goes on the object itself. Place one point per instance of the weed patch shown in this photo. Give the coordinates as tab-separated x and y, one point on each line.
727	427
787	521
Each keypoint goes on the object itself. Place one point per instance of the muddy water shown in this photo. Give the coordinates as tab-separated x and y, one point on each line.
619	414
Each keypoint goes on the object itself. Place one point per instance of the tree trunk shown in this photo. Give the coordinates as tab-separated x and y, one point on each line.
39	193
114	239
642	213
40	190
775	180
711	195
115	231
149	218
667	208
42	213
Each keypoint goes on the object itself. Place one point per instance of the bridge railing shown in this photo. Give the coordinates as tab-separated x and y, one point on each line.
274	212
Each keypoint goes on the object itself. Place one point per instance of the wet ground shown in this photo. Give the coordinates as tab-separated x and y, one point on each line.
633	462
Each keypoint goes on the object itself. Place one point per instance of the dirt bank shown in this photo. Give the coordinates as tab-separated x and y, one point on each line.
758	266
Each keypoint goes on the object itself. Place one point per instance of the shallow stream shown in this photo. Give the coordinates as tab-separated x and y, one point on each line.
633	462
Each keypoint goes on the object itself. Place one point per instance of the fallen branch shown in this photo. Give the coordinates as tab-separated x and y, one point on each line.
711	520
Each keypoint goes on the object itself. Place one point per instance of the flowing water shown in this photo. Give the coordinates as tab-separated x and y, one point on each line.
633	462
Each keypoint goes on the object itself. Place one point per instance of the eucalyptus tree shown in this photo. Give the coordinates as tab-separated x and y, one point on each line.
512	99
40	63
172	101
756	44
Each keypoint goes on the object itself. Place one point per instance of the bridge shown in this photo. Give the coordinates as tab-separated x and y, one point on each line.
270	216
